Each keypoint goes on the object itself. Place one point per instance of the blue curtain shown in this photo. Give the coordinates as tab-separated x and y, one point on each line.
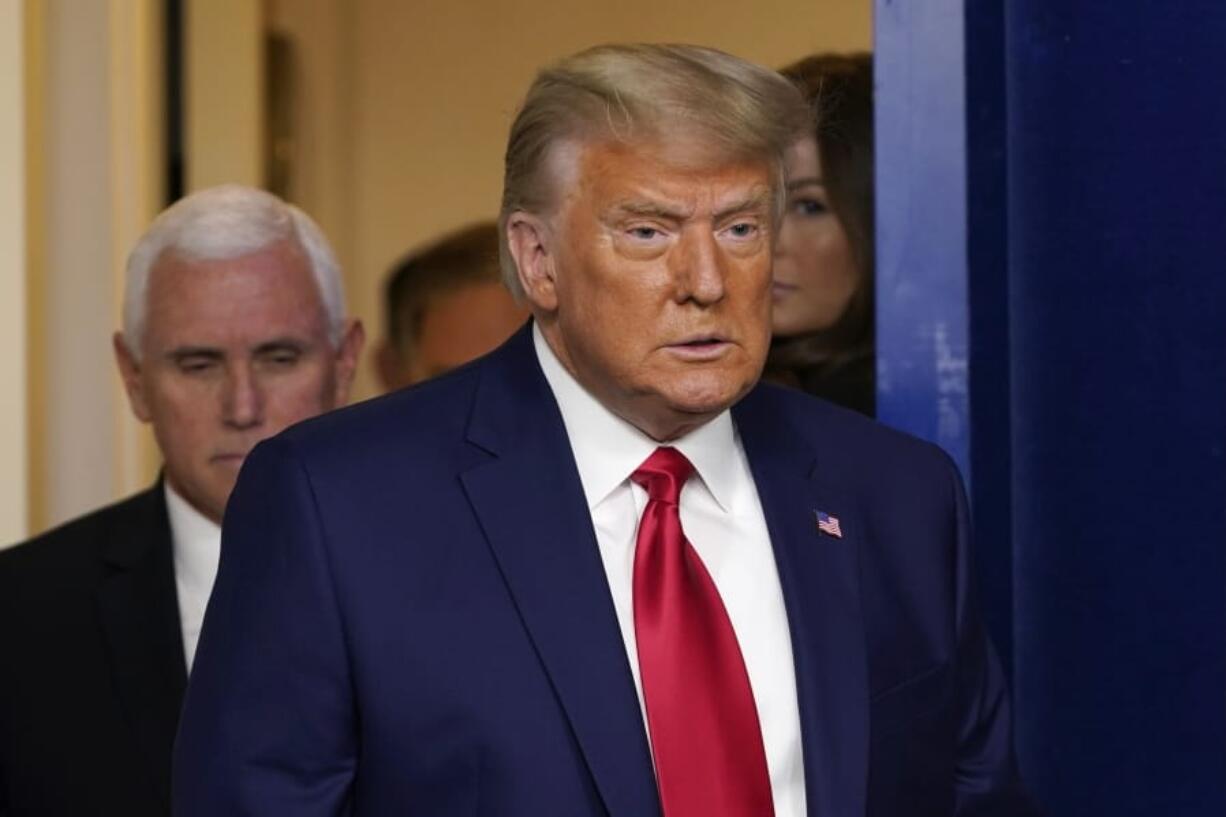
1088	253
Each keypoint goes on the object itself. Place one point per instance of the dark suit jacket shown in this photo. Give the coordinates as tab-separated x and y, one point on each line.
92	664
411	618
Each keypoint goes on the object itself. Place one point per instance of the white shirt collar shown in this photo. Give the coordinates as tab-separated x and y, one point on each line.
607	449
197	544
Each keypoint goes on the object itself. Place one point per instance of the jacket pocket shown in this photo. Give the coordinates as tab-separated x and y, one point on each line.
912	746
920	695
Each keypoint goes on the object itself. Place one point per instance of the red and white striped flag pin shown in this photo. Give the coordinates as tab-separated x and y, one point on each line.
828	524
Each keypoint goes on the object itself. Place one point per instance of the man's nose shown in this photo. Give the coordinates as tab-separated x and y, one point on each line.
701	269
243	398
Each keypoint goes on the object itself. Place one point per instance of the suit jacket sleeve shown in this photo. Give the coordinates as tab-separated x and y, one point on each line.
269	721
986	776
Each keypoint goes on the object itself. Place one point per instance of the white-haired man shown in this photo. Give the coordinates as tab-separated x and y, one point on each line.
601	571
234	328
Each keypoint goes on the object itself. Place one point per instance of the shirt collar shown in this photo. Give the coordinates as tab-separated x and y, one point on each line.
196	541
607	449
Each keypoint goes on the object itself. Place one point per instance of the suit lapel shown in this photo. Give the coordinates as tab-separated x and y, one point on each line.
530	503
820	578
139	614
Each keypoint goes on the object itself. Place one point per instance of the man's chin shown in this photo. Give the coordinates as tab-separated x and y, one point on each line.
706	395
685	412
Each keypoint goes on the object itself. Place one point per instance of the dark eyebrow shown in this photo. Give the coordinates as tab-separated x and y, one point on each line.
181	352
280	345
796	184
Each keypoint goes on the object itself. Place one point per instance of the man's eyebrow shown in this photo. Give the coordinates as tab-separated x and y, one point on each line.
756	201
181	352
281	345
796	184
647	209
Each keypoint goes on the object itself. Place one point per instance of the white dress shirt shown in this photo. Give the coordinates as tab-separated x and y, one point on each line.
197	550
723	520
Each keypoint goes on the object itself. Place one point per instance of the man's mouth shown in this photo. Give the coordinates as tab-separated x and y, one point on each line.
701	347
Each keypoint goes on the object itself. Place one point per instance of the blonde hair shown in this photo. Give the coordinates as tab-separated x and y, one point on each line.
645	92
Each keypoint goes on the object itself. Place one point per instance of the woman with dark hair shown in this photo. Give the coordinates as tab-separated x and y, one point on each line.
823	284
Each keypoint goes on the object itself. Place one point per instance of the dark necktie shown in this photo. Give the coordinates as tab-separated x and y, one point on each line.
704	727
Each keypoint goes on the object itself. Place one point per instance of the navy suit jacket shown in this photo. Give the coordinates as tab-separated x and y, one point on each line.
412	618
92	669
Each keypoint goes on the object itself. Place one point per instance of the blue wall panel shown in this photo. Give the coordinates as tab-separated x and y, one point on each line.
941	258
921	225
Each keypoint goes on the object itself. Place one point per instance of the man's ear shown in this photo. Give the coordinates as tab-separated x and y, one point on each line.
129	371
347	354
528	238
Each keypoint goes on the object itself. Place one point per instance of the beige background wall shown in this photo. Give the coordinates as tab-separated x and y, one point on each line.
224	93
92	78
76	398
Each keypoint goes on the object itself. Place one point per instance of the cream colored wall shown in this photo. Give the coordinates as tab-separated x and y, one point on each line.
434	84
14	481
224	92
92	183
321	151
81	398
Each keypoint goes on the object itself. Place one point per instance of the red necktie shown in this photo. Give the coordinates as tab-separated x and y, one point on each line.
700	709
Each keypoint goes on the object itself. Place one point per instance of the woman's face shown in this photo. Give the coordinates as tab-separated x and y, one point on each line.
815	271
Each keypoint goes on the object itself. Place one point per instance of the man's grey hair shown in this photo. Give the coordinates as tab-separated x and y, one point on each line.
224	222
644	93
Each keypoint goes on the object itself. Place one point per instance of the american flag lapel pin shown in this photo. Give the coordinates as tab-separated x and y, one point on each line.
828	524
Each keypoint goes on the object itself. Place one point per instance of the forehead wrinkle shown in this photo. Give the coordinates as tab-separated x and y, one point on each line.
759	199
645	205
618	181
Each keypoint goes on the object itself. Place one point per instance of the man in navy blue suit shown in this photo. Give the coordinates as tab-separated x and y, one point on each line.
602	571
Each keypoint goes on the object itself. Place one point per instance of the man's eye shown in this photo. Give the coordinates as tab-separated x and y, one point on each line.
644	233
196	365
743	229
281	359
808	207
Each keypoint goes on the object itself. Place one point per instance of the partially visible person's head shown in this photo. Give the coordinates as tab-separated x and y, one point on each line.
234	328
642	195
444	306
824	259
